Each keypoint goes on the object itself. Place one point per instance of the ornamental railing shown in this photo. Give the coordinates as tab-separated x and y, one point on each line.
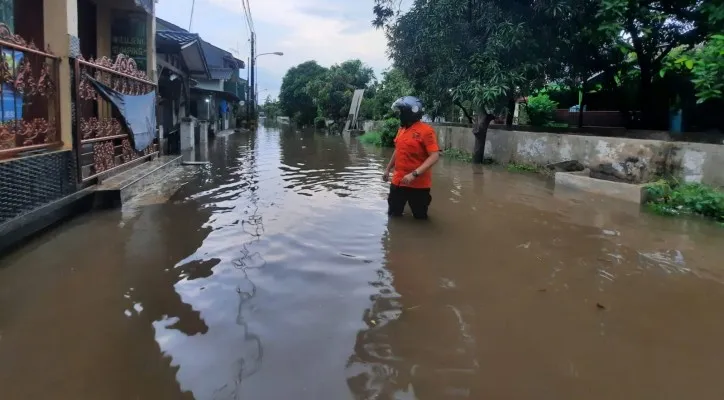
103	144
29	99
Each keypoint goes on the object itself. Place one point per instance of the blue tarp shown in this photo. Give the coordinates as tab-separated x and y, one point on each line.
138	113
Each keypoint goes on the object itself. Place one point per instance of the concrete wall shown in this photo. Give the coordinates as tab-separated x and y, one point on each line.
692	162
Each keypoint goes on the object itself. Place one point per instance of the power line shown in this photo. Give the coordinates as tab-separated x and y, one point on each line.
251	17
247	15
191	19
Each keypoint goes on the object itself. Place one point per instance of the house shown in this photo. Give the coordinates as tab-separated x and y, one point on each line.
179	55
57	136
217	91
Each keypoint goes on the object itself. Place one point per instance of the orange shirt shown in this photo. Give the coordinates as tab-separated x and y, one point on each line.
412	147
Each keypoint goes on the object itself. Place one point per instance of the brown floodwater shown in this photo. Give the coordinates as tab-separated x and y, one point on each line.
274	273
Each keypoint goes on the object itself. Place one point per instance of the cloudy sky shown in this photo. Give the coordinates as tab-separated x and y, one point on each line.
329	31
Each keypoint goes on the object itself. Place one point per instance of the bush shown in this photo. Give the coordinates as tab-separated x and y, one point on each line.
320	122
456	154
384	136
541	110
372	137
520	167
673	198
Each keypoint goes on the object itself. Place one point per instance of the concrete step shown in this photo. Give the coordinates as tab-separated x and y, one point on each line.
118	189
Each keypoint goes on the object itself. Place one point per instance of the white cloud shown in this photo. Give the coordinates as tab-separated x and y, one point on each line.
311	30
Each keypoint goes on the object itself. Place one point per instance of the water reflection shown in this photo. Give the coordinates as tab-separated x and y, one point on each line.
275	274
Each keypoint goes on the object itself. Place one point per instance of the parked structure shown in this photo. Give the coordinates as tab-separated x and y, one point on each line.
57	136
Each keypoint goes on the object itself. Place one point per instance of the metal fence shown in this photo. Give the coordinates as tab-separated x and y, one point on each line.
103	145
29	99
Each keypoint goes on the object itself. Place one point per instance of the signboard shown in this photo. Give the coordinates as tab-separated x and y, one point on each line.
7	14
128	36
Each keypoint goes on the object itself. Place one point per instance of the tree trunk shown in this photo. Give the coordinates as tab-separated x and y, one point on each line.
465	111
511	113
480	131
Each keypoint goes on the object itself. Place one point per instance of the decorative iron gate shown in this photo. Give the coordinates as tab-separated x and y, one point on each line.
103	145
29	102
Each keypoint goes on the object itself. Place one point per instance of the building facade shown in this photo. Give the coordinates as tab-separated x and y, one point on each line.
57	135
218	91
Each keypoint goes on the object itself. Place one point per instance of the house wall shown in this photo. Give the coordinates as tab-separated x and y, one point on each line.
104	10
211	84
60	22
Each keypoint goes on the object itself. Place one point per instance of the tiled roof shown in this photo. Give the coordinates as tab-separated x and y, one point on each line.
179	38
219	58
216	58
169	26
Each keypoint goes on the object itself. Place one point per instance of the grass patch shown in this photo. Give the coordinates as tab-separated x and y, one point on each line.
372	137
675	198
519	167
384	136
556	125
456	154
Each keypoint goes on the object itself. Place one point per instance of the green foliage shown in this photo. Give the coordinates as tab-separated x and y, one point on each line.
674	198
320	122
294	98
489	52
484	52
372	137
704	64
558	125
271	109
394	85
541	110
332	92
520	167
385	135
389	130
459	155
310	91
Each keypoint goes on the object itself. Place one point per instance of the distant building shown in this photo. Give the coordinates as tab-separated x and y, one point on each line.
216	90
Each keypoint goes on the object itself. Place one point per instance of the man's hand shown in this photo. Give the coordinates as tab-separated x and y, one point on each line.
386	176
408	179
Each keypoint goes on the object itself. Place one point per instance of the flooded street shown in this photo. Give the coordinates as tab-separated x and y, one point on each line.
274	273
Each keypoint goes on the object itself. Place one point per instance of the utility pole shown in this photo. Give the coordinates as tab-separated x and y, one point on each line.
248	89
252	87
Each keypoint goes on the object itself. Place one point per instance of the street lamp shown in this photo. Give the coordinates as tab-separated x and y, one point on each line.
208	108
254	84
275	53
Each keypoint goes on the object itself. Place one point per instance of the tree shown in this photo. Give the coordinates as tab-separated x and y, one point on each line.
394	85
332	92
483	52
271	108
704	63
294	98
652	30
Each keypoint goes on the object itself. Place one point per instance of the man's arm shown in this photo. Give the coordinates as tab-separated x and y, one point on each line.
390	166
431	160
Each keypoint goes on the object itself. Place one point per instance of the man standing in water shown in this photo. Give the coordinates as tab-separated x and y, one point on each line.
416	151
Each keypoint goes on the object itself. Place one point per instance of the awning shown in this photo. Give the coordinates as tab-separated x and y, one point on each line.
219	93
188	46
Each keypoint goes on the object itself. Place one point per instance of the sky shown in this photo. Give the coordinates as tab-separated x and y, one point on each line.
328	31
